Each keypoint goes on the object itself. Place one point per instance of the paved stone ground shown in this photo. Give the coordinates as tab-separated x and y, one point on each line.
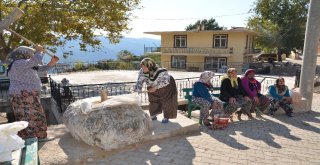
270	140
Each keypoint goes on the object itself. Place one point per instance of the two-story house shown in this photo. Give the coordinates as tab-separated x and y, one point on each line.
205	49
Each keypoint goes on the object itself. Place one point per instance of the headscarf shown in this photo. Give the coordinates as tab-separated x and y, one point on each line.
249	71
150	64
22	52
281	89
205	78
234	81
253	83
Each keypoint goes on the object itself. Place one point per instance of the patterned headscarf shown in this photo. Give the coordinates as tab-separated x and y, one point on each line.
150	64
205	77
249	71
22	52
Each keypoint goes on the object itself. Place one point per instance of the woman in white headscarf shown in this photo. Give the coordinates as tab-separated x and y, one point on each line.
25	87
201	96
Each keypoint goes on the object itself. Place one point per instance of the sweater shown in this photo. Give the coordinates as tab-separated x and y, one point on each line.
273	92
200	90
227	91
251	91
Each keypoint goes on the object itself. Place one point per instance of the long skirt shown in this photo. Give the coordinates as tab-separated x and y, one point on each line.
285	105
240	103
164	100
205	107
27	107
262	105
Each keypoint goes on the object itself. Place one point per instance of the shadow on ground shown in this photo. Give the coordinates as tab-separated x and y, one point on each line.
261	129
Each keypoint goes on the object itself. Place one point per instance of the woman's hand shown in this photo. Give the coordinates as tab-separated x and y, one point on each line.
38	48
232	100
53	61
246	98
256	99
216	105
152	89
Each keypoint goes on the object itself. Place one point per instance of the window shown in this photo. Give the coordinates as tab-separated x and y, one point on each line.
180	41
178	62
220	41
214	63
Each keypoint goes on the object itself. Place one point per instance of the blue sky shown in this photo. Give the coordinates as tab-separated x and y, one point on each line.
175	15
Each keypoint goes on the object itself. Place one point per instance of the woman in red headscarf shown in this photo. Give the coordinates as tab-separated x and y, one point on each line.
253	88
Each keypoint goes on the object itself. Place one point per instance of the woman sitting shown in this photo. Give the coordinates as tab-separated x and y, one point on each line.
201	96
253	88
279	97
232	92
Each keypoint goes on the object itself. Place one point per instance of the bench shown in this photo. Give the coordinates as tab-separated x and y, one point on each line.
215	91
28	155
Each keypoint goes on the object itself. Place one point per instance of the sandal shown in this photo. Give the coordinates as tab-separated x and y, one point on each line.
207	123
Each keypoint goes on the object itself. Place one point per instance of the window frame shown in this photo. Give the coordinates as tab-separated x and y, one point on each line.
175	43
217	59
179	65
226	41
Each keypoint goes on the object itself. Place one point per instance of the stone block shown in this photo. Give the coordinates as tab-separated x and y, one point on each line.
111	124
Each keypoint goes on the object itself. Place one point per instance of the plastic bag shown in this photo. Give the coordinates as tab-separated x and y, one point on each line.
9	140
295	95
92	104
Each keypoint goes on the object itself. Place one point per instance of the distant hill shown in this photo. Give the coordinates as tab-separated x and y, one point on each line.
107	51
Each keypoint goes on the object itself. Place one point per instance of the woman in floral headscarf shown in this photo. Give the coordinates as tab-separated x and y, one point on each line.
201	96
162	90
279	97
253	88
24	90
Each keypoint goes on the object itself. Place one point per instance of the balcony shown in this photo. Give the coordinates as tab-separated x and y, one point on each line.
252	51
190	50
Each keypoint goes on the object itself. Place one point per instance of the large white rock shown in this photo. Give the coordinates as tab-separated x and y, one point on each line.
111	124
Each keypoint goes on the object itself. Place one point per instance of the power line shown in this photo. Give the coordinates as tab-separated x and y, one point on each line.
195	18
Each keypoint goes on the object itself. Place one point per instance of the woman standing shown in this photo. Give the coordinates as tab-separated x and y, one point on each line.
162	90
279	97
253	88
25	87
232	92
201	96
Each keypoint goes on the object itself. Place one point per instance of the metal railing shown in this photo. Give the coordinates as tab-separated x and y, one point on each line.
64	95
190	50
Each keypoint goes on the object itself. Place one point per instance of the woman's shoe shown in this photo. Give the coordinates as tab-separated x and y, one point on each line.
154	118
239	116
289	114
165	120
207	123
250	116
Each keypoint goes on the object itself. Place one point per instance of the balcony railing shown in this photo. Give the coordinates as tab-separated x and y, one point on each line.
253	51
190	50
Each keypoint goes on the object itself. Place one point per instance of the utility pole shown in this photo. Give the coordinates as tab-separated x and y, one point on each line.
310	52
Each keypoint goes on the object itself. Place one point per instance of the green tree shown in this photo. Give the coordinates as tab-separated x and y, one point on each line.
210	24
280	24
125	55
53	22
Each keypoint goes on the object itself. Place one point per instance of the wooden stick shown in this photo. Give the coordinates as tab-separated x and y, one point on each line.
30	42
11	17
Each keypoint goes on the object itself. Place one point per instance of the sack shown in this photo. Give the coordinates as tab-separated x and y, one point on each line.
9	140
295	95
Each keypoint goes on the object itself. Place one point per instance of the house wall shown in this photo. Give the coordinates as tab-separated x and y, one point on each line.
236	40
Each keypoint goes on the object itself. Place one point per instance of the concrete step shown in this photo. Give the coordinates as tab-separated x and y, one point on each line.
179	126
